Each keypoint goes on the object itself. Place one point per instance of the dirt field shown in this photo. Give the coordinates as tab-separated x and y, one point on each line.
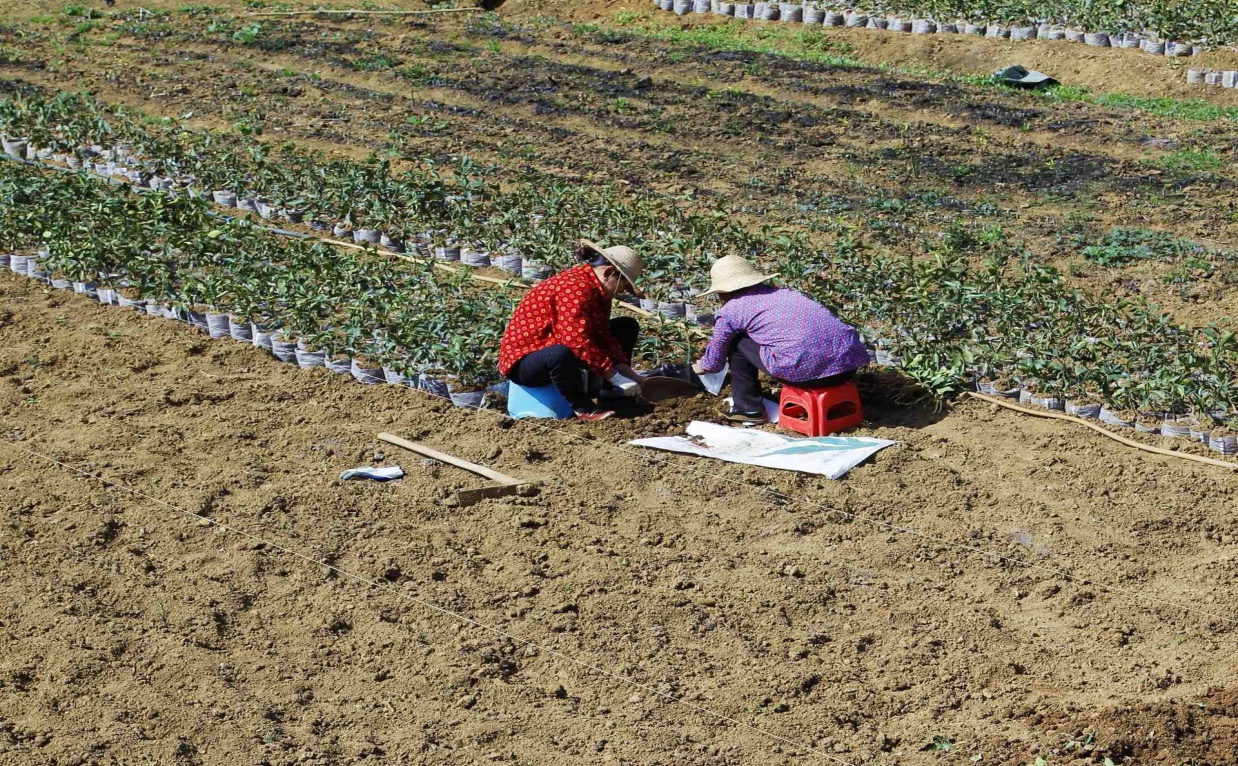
1006	584
186	581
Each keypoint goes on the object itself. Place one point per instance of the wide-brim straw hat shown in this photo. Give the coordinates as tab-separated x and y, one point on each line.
625	259
732	273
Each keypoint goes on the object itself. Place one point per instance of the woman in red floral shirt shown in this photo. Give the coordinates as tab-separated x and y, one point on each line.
563	327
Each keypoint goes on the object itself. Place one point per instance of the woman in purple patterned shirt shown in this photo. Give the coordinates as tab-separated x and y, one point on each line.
775	330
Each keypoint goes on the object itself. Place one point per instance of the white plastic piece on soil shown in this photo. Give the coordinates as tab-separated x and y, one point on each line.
1108	417
370	376
474	400
988	388
1091	411
1226	445
218	325
1177	428
240	330
474	258
284	350
831	456
261	336
394	377
307	359
511	263
435	386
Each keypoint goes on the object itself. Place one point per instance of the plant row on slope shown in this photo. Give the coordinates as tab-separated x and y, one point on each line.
957	313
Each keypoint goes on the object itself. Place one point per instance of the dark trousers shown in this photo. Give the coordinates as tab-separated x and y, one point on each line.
559	366
745	385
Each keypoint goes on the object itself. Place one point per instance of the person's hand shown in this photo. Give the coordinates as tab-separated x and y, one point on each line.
625	385
631	374
696	367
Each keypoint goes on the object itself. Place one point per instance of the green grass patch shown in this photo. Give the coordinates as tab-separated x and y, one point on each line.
1122	246
1183	109
795	41
375	62
1189	160
813	45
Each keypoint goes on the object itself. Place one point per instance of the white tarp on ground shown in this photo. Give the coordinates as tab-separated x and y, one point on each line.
831	456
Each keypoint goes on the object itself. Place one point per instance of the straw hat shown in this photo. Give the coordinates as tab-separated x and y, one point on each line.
732	273
625	259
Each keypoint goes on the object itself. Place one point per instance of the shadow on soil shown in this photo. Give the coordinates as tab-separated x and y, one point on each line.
891	400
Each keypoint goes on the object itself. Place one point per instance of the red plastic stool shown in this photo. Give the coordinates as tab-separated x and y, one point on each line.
820	411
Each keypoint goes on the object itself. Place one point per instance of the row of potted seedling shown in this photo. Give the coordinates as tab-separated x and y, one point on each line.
1190	427
948	303
115	163
1218	78
1201	430
814	14
118	163
223	326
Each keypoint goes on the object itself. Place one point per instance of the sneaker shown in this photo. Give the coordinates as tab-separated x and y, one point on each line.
734	416
594	415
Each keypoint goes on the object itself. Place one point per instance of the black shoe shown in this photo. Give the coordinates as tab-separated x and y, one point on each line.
735	416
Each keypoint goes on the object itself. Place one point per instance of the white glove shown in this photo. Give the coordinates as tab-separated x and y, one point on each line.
626	385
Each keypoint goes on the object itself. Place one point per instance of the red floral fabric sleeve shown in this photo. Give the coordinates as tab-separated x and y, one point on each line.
571	309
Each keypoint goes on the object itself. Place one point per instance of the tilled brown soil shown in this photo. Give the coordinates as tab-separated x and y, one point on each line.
189	581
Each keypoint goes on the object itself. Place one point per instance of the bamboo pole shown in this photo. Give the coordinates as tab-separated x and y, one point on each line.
1120	439
443	457
372	13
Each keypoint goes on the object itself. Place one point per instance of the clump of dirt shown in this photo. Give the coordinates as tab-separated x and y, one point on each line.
1192	730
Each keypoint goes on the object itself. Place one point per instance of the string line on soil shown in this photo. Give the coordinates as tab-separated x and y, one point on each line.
1105	432
389	588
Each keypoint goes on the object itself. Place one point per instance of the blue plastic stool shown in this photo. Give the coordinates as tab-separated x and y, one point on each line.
544	402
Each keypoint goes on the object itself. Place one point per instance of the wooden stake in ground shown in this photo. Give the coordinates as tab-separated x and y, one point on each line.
507	485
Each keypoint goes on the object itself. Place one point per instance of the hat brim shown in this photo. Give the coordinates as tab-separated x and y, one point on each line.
738	284
595	247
